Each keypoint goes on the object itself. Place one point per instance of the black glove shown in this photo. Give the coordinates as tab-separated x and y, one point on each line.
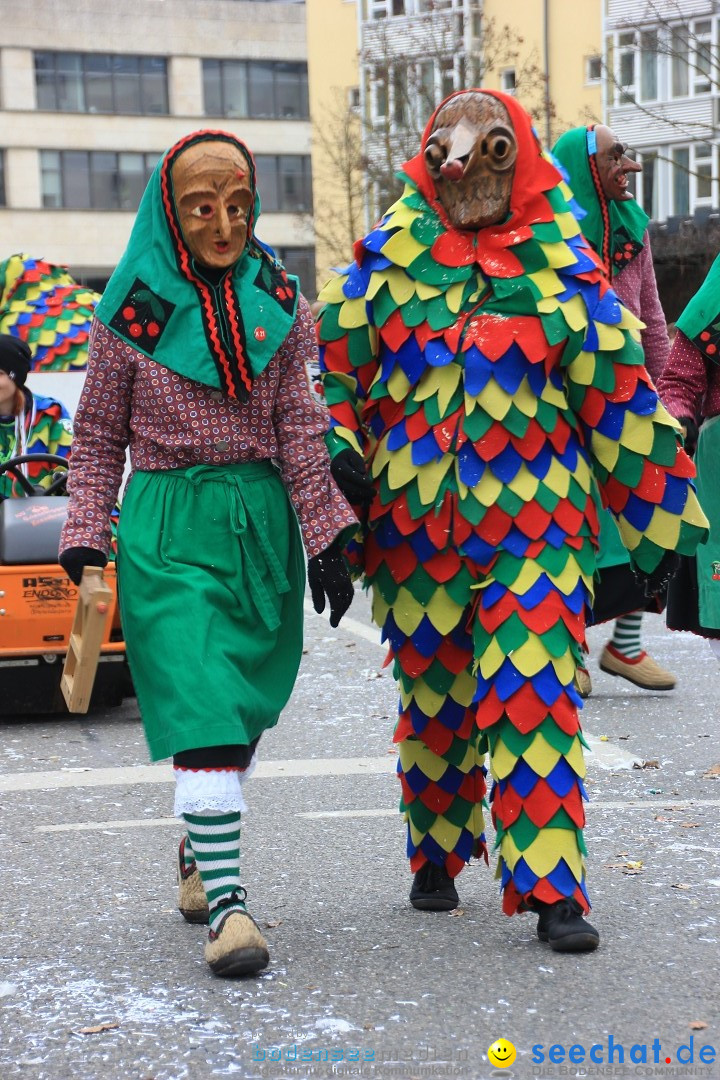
351	476
691	433
328	576
74	560
658	579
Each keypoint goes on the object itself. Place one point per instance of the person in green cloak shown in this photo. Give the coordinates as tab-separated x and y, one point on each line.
690	390
598	169
197	364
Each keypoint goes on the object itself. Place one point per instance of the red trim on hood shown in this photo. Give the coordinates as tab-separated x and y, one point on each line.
533	175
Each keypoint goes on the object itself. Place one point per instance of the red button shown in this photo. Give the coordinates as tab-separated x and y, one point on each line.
260	333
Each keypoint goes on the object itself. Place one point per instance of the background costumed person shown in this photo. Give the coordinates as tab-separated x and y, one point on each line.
197	363
477	361
689	388
43	305
598	167
29	423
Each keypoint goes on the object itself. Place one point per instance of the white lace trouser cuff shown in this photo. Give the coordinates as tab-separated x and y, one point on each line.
714	644
197	790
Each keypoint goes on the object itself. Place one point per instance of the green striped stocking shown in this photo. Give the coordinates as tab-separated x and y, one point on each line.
215	841
626	635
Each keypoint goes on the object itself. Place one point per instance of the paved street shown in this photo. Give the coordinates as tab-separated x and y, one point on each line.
101	978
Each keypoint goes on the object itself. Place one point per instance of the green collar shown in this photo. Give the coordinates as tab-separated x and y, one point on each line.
700	321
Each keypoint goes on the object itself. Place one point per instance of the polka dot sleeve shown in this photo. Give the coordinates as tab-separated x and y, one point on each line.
101	436
686	387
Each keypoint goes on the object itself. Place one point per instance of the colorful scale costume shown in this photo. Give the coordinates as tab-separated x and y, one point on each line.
44	306
47	429
486	376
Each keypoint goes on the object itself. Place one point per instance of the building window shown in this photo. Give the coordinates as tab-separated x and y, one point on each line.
384	9
691	59
380	94
679	45
256	89
301	262
703	170
284	182
353	98
703	59
649	183
380	9
94	180
593	68
626	66
101	83
649	65
401	96
507	80
680	180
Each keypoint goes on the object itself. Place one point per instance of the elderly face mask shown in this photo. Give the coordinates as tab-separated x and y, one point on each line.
614	165
211	184
471	156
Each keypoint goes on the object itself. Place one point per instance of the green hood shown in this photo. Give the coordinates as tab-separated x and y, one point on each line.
218	330
615	229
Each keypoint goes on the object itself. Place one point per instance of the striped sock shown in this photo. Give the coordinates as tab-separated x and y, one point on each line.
215	840
626	635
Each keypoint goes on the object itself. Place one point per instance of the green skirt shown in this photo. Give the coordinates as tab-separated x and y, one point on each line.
211	577
707	457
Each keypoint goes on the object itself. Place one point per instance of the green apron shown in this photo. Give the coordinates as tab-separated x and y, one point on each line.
707	459
211	579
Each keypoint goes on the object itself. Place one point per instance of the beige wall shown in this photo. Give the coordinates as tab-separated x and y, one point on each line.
182	30
574	33
332	70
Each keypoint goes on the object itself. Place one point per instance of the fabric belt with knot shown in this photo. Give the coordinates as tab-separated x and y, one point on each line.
245	525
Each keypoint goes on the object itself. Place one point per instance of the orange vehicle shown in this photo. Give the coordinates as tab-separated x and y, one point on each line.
38	601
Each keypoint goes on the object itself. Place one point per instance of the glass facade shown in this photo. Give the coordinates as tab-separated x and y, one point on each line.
101	83
94	179
284	182
256	89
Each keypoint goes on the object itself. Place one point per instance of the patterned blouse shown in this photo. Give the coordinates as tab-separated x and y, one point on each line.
690	384
636	288
170	422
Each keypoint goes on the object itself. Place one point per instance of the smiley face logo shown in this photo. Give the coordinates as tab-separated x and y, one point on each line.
502	1053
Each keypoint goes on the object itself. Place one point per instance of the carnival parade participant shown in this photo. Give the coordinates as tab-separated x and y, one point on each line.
197	363
479	373
689	387
598	168
29	423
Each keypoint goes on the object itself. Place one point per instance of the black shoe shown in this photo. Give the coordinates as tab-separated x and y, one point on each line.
563	927
433	889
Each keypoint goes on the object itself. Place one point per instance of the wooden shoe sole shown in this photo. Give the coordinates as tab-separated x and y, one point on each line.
237	948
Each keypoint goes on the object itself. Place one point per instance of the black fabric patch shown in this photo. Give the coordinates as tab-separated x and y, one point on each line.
708	341
626	249
273	280
142	317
